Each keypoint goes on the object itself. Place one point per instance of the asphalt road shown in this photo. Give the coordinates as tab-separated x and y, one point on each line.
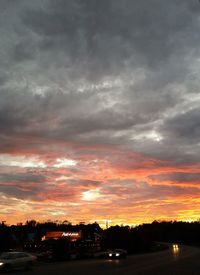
175	260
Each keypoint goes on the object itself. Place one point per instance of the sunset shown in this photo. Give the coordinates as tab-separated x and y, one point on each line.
99	111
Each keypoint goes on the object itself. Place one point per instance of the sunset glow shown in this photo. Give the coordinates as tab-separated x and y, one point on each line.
99	111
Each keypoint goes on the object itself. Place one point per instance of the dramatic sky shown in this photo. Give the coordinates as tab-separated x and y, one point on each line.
99	110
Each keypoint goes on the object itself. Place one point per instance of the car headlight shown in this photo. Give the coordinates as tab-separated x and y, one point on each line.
117	254
1	264
110	254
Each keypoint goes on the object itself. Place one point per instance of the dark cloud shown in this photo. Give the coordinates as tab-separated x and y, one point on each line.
102	38
25	185
108	28
84	183
54	45
44	186
24	178
183	127
113	84
176	178
135	191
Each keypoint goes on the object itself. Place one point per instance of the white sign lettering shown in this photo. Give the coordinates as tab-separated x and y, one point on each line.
70	234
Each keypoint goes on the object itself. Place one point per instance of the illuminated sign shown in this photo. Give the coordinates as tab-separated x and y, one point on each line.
72	236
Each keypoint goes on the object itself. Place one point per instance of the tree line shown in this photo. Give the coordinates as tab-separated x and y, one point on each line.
134	239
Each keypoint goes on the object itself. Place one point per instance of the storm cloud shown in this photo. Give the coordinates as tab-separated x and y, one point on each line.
93	92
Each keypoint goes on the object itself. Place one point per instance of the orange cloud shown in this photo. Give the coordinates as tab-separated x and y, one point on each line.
91	183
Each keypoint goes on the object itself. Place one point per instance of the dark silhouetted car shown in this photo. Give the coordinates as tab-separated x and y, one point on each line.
111	253
16	260
116	253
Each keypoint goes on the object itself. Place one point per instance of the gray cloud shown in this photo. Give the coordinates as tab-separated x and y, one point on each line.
117	72
121	27
134	192
177	177
183	127
21	178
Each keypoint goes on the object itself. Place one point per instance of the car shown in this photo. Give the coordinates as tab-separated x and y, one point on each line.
175	246
16	260
116	253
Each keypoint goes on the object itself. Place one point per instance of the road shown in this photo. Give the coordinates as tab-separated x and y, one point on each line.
179	260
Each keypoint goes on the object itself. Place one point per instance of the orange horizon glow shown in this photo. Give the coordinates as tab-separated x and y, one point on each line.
117	185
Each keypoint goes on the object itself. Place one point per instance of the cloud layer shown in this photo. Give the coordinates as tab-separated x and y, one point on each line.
99	107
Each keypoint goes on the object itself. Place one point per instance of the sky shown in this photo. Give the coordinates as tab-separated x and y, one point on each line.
99	110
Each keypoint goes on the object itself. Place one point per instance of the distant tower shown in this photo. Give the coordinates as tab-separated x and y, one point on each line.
106	224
